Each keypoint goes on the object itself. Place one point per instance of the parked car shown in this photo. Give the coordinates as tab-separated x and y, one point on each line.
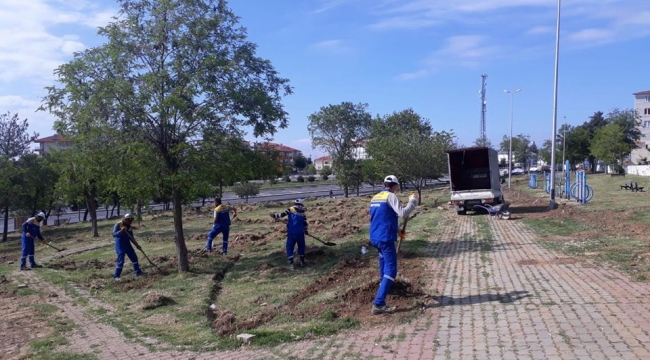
517	171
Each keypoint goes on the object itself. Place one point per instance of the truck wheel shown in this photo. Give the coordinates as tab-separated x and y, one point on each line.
461	212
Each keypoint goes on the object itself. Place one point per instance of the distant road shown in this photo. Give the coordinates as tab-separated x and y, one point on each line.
266	194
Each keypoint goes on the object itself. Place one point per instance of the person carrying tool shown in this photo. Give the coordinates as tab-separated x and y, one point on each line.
221	224
31	230
123	234
296	231
384	211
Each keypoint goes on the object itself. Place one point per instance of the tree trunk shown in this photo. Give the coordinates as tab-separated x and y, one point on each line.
181	249
345	191
90	204
6	222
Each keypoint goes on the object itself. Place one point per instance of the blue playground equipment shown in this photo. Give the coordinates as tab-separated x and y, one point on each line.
579	190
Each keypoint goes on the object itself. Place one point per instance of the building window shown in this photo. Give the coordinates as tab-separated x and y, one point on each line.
646	124
647	99
646	111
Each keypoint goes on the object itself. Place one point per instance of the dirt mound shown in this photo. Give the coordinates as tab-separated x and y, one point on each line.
224	323
265	266
93	264
154	299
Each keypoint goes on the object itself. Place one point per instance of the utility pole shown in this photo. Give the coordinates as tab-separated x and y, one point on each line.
512	93
483	109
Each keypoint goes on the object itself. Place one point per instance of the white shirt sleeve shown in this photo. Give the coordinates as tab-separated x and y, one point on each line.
402	212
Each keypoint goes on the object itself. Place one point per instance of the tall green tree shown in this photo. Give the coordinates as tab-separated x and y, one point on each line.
609	143
171	69
629	121
14	143
299	161
405	144
338	129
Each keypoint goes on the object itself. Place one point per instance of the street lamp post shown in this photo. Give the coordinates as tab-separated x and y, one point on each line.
551	204
512	93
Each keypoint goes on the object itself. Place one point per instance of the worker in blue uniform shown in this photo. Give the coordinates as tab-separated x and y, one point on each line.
123	234
384	212
297	228
220	224
31	231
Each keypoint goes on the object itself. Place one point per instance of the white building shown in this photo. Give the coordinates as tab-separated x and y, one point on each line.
642	107
321	162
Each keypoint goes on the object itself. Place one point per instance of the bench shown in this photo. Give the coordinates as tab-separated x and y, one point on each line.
617	174
635	187
626	185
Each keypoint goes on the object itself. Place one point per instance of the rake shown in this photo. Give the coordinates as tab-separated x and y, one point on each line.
326	243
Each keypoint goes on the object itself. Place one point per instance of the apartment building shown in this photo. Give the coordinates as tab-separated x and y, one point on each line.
642	107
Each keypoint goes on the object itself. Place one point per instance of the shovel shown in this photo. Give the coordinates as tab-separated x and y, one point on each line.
54	247
402	233
145	255
326	243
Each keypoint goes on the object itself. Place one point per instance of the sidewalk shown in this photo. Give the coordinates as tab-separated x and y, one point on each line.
508	299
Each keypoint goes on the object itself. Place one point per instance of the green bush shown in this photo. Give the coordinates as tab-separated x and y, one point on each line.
300	178
311	178
324	176
287	178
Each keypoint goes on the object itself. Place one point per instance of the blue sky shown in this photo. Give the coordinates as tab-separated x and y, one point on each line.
392	54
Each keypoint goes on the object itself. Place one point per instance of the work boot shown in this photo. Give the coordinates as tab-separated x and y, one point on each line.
24	268
37	266
141	273
384	309
303	263
292	266
117	279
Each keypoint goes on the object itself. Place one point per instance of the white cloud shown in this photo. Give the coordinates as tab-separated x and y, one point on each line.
30	47
461	51
334	46
40	122
592	36
414	75
539	30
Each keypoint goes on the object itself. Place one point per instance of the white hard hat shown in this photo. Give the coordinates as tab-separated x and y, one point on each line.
299	201
128	216
41	214
391	179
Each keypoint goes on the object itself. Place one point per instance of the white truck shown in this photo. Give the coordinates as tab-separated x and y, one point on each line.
474	178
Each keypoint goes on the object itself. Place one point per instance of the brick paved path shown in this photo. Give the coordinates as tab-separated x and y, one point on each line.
501	299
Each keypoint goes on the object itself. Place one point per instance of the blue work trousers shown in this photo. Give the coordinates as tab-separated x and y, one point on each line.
28	252
122	251
216	229
292	240
387	269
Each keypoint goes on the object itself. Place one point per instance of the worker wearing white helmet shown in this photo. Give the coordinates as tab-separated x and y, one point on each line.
31	230
296	231
384	212
123	234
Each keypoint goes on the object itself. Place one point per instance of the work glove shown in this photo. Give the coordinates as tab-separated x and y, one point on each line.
401	234
123	229
413	196
138	247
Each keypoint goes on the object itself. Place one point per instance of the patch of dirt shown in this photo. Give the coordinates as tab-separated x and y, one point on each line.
600	223
94	264
160	319
19	322
153	299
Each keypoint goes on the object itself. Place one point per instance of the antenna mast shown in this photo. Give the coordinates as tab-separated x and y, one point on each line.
483	110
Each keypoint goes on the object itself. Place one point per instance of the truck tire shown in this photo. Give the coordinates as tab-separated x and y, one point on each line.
461	212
